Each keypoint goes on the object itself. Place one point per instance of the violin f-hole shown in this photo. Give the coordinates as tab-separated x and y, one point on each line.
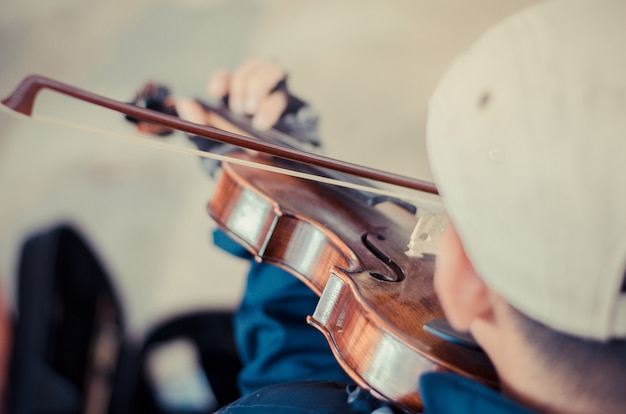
375	243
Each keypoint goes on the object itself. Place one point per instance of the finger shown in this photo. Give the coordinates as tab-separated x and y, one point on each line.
261	85
191	111
270	110
218	86
238	85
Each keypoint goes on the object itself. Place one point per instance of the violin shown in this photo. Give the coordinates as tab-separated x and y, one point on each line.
349	248
374	299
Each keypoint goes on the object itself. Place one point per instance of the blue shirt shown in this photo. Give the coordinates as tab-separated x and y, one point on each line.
441	393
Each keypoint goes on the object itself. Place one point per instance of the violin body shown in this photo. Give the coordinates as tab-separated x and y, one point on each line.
374	299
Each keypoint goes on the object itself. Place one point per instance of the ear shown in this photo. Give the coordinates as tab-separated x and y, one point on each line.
462	293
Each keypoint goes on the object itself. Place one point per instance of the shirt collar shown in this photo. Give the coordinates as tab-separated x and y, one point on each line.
451	393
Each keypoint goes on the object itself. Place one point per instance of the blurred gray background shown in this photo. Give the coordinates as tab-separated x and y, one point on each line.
367	66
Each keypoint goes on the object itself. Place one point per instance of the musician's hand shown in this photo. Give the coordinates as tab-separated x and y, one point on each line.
251	91
259	89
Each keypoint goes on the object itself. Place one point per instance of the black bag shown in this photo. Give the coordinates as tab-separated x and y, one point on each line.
70	353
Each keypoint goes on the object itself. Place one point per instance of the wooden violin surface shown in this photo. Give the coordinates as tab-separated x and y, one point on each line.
374	299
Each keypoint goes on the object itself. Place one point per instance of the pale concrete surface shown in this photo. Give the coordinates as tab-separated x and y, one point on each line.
367	66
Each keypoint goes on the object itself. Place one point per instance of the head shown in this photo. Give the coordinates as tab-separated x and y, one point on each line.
527	143
542	367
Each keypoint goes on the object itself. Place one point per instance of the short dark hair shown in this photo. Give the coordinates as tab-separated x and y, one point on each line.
590	368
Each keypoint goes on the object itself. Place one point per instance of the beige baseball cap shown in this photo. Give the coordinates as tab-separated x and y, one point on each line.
526	138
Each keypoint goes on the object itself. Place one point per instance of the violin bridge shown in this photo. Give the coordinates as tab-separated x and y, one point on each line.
426	235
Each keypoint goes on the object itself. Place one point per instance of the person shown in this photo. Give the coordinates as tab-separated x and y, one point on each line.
526	143
525	137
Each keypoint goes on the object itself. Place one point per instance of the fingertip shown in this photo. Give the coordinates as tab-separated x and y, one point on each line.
251	104
261	122
270	111
218	84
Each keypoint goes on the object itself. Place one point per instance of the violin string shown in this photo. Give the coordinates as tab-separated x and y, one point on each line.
218	157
